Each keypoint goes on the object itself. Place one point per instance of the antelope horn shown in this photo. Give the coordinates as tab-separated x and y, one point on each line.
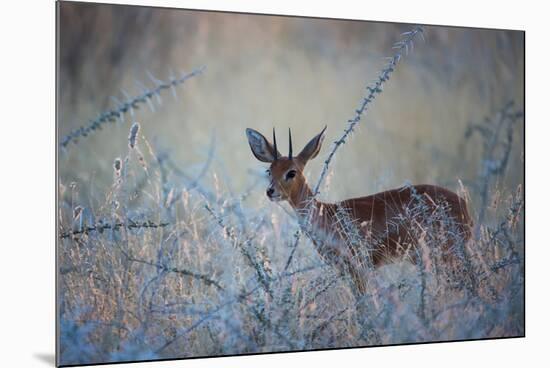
289	144
275	145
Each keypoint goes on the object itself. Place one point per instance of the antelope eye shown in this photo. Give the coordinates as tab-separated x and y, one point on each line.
290	174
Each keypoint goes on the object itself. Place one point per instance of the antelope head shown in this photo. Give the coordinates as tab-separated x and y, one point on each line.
286	173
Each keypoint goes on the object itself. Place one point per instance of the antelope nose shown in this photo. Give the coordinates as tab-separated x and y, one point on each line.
269	192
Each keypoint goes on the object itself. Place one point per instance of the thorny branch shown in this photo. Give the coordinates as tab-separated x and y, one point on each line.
402	47
206	279
102	226
494	142
126	106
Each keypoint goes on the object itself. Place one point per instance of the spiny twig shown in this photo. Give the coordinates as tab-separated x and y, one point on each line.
102	226
126	106
497	135
374	89
206	279
294	247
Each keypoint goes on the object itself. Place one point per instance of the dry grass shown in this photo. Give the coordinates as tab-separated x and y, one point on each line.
169	247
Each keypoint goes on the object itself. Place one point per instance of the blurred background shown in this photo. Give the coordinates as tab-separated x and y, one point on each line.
269	71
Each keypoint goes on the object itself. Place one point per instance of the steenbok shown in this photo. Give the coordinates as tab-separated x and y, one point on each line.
367	231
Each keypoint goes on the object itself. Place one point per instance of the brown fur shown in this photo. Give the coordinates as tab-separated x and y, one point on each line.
374	212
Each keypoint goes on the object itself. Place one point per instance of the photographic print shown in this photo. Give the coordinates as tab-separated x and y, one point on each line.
232	183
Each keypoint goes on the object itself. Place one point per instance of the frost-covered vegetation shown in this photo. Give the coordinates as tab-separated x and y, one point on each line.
168	247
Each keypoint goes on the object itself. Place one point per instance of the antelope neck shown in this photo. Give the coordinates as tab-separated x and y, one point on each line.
300	201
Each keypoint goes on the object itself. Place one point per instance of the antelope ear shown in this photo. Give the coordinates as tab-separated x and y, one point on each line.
311	150
260	146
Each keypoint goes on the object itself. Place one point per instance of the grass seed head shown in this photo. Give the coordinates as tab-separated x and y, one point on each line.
132	137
